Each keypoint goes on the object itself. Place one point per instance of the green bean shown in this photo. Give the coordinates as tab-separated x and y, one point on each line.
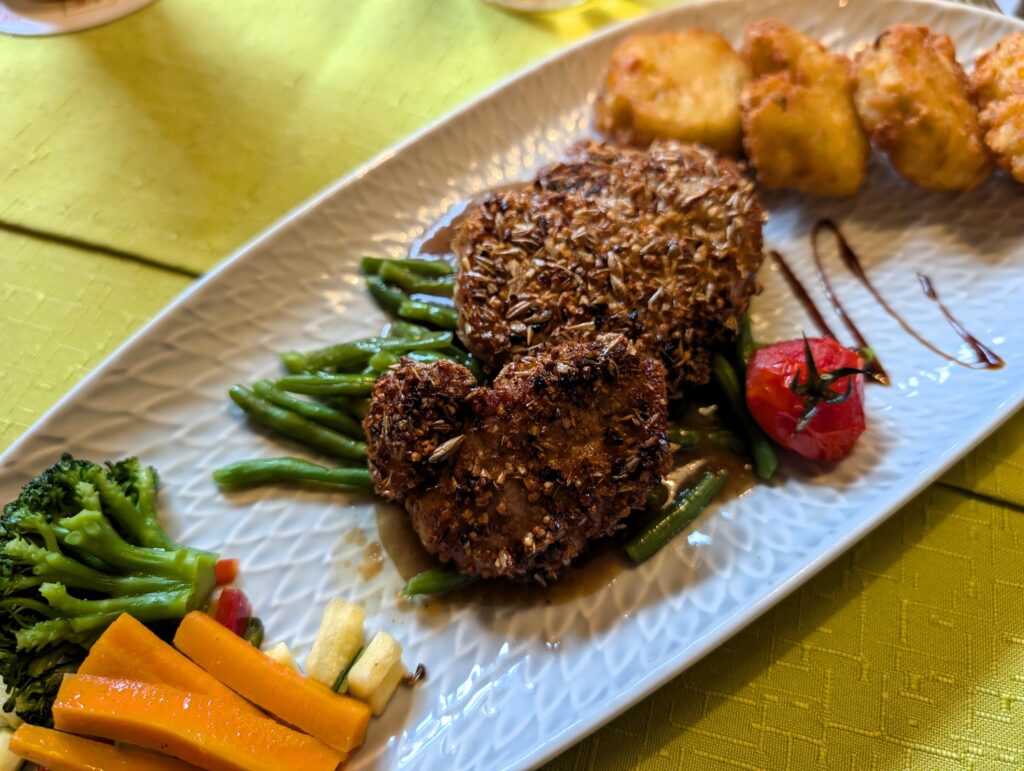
463	358
381	360
439	316
318	413
428	357
761	450
295	426
745	345
373	266
689	438
407	329
323	384
359	407
684	438
358	352
412	283
294	362
388	296
436	581
263	471
684	509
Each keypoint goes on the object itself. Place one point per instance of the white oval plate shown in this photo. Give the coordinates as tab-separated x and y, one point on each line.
33	18
512	684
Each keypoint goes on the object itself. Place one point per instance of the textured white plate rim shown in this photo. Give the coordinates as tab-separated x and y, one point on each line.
736	621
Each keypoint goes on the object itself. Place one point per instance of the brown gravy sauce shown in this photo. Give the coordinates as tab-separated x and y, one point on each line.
597	570
984	357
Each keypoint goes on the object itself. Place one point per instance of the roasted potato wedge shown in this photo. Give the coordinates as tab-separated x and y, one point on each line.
674	85
915	101
998	80
800	129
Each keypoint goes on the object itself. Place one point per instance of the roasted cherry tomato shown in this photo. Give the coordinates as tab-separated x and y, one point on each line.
808	396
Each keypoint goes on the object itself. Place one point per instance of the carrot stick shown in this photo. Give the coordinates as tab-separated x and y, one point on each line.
306	704
129	651
201	730
63	752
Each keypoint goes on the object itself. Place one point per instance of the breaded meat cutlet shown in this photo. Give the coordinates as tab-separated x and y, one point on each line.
515	480
915	101
998	81
662	245
800	127
681	85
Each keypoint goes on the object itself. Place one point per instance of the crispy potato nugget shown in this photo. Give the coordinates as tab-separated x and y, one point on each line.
800	129
999	72
1004	133
674	85
998	80
915	101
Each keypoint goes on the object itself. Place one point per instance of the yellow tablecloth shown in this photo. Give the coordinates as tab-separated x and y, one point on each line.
172	136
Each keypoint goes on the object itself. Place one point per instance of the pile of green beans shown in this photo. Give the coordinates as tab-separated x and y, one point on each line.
323	396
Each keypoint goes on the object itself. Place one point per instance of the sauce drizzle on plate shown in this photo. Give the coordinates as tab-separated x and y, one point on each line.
984	357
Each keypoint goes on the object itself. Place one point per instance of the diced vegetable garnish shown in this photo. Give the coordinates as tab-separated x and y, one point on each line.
191	726
339	637
378	672
234	610
129	650
226	571
254	632
336	720
64	752
282	655
9	760
7	718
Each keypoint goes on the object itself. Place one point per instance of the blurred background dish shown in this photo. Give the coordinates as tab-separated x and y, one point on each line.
55	17
537	6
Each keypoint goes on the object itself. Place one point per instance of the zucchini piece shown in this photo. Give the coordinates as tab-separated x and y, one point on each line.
282	655
374	678
339	637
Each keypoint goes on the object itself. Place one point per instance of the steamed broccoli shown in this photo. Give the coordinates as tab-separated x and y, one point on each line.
78	547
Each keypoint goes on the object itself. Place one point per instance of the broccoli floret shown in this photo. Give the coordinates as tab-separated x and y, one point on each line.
81	545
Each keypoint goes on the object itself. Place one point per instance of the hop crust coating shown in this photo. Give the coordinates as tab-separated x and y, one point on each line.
662	245
915	101
558	452
998	80
800	127
674	85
